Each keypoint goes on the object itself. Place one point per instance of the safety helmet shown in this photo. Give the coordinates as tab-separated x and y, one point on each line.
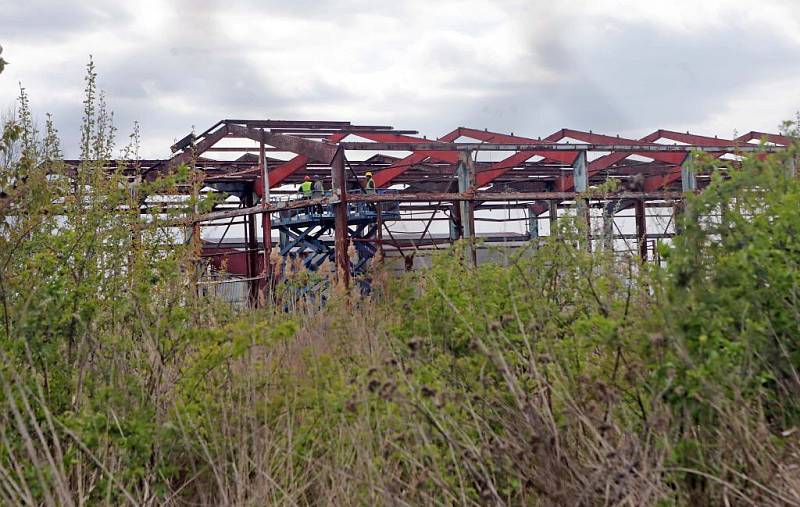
316	176
369	174
306	178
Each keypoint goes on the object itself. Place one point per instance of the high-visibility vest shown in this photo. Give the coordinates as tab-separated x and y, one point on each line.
305	187
370	185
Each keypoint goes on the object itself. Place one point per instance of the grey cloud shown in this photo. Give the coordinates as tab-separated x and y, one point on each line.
44	20
627	79
216	85
636	78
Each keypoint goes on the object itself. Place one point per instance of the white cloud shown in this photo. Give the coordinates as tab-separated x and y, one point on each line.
529	66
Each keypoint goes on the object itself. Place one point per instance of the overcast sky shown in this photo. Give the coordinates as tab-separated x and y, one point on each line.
528	66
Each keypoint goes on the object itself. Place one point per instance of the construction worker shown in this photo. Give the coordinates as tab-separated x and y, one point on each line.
319	188
370	183
305	187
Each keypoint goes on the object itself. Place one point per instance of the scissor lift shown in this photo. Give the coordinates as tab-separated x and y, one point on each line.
308	232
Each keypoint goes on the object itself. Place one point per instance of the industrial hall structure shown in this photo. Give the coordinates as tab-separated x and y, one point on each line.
484	187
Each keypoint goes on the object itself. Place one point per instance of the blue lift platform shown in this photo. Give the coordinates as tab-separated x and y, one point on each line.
308	232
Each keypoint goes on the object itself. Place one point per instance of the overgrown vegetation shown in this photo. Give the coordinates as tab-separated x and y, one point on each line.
558	377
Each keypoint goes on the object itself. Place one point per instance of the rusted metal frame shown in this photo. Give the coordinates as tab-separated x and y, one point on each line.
565	182
489	136
425	197
428	225
233	280
645	150
385	176
653	183
237	149
659	181
188	155
226	250
510	196
581	178
624	238
496	137
499	168
293	123
266	222
252	256
379	230
451	136
340	219
592	138
396	244
771	138
195	234
465	171
425	231
681	171
669	222
389	137
284	171
210	129
355	176
318	151
552	208
641	228
248	264
533	225
272	208
609	215
691	139
221	238
352	129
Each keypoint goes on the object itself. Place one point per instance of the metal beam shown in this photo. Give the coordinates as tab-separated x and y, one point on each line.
318	151
688	176
186	157
555	147
266	222
641	229
465	171
340	220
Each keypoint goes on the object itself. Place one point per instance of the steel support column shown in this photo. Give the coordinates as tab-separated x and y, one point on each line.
340	219
251	242
688	176
552	207
533	225
609	211
465	171
455	222
197	246
379	230
688	184
266	221
580	176
641	228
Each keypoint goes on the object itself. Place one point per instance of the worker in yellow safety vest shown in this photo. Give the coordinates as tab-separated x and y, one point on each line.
306	187
370	183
